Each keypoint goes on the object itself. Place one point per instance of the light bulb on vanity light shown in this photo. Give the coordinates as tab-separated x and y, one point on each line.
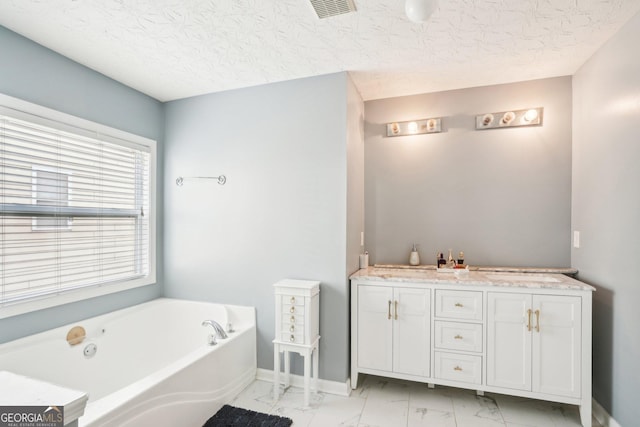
531	115
420	10
412	127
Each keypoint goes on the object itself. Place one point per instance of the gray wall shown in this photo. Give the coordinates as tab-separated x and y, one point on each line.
282	213
606	211
33	73
355	177
502	196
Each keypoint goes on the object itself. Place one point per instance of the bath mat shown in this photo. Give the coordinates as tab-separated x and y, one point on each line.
229	416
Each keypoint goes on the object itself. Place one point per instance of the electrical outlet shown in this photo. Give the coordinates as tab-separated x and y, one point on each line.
576	239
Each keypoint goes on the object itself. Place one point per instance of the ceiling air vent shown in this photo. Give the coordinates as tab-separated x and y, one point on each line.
327	8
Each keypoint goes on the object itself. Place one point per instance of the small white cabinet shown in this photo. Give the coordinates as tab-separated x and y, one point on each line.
394	330
297	330
534	343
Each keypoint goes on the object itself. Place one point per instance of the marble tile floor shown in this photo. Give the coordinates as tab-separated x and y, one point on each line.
384	402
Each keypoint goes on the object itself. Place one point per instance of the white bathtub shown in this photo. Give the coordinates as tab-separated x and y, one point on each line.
153	365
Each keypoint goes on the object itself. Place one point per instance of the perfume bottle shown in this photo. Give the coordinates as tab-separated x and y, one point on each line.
441	262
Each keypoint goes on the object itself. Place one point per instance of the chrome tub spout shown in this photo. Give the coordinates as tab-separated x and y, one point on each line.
219	331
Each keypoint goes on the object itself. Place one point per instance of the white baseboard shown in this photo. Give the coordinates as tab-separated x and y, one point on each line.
602	415
325	386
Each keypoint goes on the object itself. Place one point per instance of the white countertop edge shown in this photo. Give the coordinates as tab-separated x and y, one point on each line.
472	278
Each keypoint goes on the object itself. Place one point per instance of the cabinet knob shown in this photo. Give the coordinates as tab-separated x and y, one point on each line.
292	309
459	304
293	338
292	328
293	319
458	337
293	300
457	368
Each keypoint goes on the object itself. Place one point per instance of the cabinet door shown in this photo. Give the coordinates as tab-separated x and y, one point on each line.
508	341
375	321
557	345
411	331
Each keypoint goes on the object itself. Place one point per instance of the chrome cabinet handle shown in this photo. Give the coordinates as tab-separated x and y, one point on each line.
457	368
537	320
459	304
293	300
396	309
389	311
529	312
293	319
292	309
292	328
458	337
292	339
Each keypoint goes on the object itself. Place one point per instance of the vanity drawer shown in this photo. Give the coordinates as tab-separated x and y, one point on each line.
458	336
288	318
295	310
292	300
458	367
295	338
292	328
464	305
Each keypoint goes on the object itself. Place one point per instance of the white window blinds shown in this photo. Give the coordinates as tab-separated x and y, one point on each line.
74	209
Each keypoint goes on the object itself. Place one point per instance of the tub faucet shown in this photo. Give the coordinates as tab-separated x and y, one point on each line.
220	333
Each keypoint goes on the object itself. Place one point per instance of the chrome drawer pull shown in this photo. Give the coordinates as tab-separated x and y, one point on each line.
459	304
458	337
292	339
457	368
292	328
293	300
293	319
292	309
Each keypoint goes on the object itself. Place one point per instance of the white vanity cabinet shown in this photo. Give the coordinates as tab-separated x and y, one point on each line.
517	334
394	330
534	343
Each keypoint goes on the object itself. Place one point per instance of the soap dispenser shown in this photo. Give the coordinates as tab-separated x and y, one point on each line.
414	258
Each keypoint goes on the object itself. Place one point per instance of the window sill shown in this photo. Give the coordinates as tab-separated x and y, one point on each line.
49	301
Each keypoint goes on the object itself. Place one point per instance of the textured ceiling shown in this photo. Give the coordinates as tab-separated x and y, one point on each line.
171	49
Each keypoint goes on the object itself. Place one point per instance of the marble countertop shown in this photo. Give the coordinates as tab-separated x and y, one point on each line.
559	270
509	278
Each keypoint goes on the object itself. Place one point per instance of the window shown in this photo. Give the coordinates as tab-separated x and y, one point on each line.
50	187
76	210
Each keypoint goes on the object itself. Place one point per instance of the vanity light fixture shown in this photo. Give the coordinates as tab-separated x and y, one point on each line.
507	119
415	127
